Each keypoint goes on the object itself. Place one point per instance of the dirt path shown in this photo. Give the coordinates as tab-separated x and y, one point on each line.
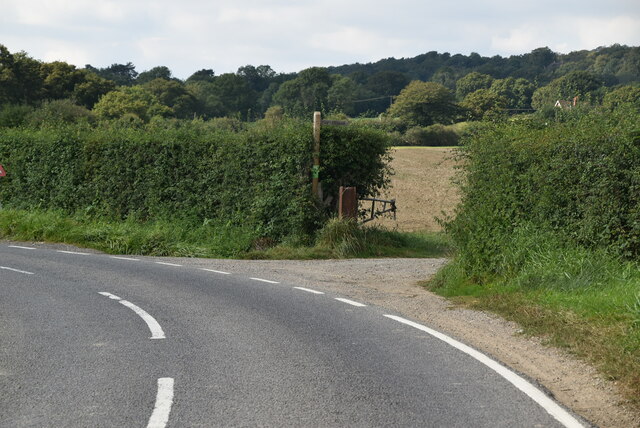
392	284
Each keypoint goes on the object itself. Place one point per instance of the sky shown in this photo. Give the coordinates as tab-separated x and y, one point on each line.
223	35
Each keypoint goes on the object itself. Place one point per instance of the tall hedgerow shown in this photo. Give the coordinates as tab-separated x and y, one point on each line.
578	179
258	176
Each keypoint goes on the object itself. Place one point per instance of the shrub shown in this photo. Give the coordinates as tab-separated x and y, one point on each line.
12	115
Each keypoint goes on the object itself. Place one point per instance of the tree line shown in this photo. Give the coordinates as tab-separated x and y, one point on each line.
427	89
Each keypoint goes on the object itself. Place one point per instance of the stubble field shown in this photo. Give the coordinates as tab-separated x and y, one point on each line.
422	186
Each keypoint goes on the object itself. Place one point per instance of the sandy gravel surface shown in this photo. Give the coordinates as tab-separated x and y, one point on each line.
392	284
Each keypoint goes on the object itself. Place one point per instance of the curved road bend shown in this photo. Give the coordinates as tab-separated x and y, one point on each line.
80	346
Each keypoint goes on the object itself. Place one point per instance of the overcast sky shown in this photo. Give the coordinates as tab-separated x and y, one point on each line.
189	35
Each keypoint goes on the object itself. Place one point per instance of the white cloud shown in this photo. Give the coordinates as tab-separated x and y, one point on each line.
594	32
567	33
293	34
357	42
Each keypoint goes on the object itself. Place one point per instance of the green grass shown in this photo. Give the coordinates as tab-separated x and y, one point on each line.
156	238
585	301
345	239
181	238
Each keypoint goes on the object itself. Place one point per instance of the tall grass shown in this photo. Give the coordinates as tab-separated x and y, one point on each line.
188	238
584	300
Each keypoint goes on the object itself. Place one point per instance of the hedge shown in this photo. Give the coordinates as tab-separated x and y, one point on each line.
259	176
578	178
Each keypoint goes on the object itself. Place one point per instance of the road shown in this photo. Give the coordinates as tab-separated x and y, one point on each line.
88	339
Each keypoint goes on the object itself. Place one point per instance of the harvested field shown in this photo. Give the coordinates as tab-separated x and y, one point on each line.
422	187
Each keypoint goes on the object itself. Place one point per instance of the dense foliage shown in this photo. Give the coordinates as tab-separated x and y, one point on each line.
576	177
479	84
259	176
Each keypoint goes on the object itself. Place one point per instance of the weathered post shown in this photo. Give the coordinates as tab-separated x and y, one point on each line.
315	171
348	203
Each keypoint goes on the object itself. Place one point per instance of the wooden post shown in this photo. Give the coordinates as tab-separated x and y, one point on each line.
347	203
315	171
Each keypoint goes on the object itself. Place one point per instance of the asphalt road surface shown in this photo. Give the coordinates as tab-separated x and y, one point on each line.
93	340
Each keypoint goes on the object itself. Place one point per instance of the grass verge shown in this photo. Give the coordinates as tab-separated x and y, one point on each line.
181	238
585	301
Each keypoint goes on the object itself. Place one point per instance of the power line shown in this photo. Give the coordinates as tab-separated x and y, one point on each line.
391	97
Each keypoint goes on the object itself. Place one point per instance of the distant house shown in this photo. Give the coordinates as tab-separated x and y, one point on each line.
566	104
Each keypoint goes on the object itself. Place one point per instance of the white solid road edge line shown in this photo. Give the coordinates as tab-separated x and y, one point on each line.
308	290
350	302
265	280
553	408
16	270
216	271
22	248
164	401
156	330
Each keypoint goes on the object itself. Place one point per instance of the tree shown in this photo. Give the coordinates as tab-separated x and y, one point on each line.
624	95
134	100
204	75
60	79
484	104
387	83
341	94
174	95
471	83
424	103
306	93
580	84
446	76
20	78
258	78
159	72
235	94
88	92
208	100
517	92
121	74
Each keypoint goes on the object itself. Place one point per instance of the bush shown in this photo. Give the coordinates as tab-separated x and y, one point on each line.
12	115
60	111
434	135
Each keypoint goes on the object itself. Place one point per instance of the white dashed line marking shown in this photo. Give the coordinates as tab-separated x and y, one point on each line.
216	271
109	295
350	302
164	401
22	248
265	280
125	258
534	393
16	270
168	264
156	330
72	252
308	290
